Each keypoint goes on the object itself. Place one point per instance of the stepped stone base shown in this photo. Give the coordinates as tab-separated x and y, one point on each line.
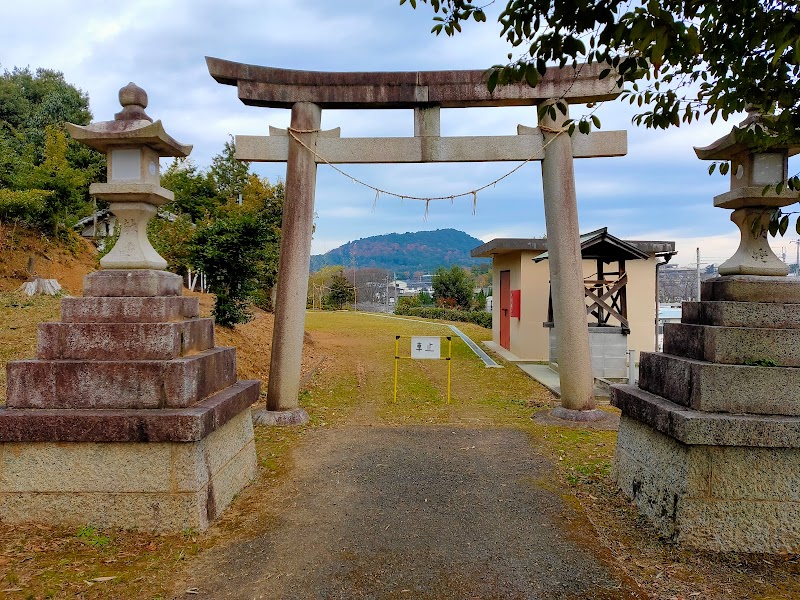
707	386
157	486
709	443
733	345
707	480
129	416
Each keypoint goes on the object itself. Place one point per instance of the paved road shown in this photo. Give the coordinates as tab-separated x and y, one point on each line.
415	513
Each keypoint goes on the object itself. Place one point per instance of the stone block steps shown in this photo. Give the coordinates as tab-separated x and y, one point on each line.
709	441
706	386
187	424
120	383
733	345
124	341
742	314
161	309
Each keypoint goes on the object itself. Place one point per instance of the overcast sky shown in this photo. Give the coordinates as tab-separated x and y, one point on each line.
659	191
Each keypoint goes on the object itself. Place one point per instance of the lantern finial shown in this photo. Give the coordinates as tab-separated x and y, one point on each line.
133	100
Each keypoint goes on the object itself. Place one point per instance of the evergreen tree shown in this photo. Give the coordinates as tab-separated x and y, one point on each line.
341	292
230	175
452	287
44	174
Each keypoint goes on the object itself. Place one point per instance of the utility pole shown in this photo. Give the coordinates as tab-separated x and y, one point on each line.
797	260
355	278
698	274
387	292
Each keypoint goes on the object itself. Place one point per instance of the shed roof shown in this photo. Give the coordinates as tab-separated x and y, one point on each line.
594	244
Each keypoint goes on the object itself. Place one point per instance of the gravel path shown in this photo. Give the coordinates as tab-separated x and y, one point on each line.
416	512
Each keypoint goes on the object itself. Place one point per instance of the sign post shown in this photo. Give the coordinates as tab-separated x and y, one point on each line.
424	347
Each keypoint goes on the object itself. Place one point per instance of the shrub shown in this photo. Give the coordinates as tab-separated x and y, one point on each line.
23	206
478	317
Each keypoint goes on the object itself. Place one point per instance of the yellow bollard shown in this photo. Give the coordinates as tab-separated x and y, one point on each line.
396	362
449	362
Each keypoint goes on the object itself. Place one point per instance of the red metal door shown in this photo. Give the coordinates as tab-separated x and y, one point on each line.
505	309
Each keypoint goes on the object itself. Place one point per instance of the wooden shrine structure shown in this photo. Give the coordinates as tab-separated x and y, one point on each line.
605	290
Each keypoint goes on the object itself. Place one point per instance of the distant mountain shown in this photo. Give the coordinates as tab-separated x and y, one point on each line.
405	253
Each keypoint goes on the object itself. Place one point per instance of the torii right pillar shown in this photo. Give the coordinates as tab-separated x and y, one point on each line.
566	271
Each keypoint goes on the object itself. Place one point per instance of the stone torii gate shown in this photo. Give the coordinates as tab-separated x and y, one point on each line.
304	145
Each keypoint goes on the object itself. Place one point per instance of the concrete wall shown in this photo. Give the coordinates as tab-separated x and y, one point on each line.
530	340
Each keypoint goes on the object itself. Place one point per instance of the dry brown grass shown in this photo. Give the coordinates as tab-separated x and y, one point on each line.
52	260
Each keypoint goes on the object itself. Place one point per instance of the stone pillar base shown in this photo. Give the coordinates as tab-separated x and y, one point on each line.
726	483
157	486
295	416
578	415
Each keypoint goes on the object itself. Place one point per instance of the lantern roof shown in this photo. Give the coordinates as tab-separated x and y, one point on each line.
130	127
727	147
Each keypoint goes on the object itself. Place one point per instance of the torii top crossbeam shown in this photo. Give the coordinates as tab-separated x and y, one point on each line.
281	88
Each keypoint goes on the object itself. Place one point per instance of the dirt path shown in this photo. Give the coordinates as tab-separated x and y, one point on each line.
413	512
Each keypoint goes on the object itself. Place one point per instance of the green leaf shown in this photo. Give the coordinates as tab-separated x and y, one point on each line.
531	75
596	121
712	168
757	228
784	225
492	83
774	224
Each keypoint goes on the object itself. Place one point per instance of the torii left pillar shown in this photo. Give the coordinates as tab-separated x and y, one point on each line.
297	227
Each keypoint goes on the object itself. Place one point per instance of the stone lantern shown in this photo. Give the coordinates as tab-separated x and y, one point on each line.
752	170
133	144
130	415
708	441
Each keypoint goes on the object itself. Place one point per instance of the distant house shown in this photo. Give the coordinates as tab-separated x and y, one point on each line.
620	287
97	225
421	283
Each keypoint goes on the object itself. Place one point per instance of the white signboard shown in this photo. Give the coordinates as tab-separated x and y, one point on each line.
426	347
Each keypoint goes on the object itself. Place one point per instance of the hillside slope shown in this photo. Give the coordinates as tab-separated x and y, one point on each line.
51	259
405	253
